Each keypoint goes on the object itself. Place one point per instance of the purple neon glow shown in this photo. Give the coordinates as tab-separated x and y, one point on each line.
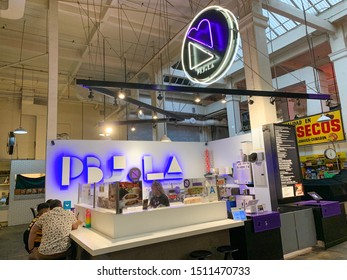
202	34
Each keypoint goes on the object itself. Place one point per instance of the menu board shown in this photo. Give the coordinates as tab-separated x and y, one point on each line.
283	162
288	161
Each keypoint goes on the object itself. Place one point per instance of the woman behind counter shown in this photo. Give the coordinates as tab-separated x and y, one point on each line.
159	198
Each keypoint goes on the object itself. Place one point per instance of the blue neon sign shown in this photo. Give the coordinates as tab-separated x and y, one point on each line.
210	45
91	170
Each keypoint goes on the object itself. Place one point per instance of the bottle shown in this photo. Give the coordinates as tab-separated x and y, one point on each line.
88	218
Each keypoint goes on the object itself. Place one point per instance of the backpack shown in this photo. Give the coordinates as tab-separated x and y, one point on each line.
26	239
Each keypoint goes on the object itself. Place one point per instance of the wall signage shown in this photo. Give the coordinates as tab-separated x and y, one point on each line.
210	44
91	170
309	131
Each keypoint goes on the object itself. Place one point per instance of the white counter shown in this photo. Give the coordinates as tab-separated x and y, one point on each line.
96	243
141	222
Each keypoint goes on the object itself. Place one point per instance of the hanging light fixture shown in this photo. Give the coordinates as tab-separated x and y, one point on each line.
105	131
121	94
272	100
133	128
323	118
224	99
20	129
197	98
140	113
165	138
250	100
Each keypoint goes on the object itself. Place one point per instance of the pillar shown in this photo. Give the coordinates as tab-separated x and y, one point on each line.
257	65
339	58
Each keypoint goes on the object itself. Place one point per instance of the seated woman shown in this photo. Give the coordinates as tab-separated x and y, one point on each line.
159	198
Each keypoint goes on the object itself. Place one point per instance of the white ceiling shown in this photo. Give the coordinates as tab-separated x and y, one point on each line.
103	40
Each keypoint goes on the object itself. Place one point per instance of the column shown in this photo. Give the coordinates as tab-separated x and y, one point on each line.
233	111
339	57
258	77
257	64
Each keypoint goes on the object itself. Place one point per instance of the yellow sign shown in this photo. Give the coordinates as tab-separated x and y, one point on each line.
309	131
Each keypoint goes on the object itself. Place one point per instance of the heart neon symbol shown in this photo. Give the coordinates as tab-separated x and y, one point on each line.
202	34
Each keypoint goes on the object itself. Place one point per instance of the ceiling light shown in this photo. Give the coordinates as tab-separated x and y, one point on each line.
91	95
121	95
165	138
20	130
272	100
323	118
197	99
105	131
224	99
133	128
140	113
250	100
155	117
160	97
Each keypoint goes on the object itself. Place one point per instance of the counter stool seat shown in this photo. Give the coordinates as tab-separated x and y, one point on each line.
227	251
200	254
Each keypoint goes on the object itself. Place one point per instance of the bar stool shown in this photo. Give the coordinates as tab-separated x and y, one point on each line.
200	254
227	251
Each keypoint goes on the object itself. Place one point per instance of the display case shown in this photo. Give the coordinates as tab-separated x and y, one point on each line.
114	196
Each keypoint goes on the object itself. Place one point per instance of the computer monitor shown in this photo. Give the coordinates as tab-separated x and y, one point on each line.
315	196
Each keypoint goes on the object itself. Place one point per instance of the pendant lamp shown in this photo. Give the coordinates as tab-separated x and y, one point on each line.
323	118
20	129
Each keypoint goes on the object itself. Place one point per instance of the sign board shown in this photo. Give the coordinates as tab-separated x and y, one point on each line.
210	45
283	163
309	131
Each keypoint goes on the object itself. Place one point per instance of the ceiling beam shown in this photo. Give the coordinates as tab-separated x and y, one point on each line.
295	14
155	87
139	103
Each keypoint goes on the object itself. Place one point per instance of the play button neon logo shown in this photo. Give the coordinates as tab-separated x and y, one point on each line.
198	56
210	45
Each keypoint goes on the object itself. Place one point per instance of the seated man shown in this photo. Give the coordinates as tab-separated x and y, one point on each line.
56	226
41	208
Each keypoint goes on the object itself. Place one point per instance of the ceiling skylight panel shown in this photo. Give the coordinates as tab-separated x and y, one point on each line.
289	2
286	22
334	2
322	6
270	35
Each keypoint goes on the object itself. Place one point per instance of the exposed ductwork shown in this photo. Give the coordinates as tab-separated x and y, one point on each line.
15	9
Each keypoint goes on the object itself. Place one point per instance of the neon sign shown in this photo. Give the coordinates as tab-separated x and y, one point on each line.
90	170
210	44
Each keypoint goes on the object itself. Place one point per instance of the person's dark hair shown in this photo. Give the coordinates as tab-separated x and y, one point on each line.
49	201
55	203
42	206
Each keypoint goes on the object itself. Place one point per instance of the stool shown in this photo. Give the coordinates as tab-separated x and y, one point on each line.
200	254
227	251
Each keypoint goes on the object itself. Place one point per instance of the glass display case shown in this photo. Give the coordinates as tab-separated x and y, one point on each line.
115	196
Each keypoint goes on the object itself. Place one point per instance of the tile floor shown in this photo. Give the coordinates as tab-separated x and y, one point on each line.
12	248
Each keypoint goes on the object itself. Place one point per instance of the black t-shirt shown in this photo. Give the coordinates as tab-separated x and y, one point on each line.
157	201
